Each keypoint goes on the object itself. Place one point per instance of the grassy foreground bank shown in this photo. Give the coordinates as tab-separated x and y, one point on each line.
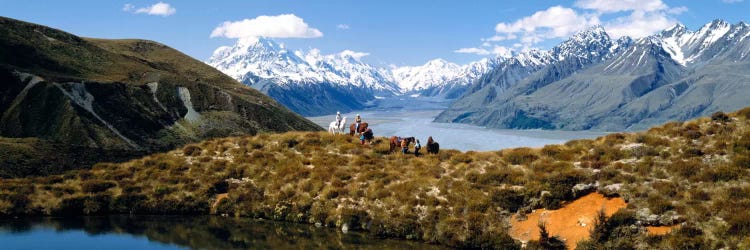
691	173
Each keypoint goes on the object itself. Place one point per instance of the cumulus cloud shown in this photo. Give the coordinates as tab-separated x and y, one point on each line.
281	26
355	54
342	26
609	6
635	18
554	22
639	24
477	51
500	51
158	9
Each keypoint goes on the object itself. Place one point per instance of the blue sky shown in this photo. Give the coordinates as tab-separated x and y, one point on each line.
390	32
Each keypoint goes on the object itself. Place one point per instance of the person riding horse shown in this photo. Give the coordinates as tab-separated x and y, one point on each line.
338	119
358	120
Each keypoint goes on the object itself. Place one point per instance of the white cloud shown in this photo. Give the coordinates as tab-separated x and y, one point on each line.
610	6
478	51
639	24
281	26
554	22
158	9
356	55
732	1
677	10
342	26
128	7
502	51
497	50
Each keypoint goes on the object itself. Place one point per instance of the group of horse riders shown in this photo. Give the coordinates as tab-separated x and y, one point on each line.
367	134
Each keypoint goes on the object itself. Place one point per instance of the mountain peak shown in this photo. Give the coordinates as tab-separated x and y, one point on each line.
439	62
676	28
595	31
715	24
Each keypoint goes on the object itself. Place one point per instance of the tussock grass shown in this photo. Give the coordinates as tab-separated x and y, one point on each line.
694	173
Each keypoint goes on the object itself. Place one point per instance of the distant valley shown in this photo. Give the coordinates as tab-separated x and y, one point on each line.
589	82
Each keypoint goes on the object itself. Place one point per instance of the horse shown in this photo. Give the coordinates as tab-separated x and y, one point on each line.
432	146
333	129
362	128
369	136
396	142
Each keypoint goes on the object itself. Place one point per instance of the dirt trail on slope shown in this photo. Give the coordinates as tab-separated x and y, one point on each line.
571	222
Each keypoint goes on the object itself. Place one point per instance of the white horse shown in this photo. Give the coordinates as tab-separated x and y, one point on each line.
337	130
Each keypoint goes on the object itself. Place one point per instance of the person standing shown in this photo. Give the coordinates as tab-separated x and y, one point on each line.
357	120
404	146
417	146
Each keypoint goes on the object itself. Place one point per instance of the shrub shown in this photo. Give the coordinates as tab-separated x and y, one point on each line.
192	150
508	199
520	156
95	186
686	237
720	117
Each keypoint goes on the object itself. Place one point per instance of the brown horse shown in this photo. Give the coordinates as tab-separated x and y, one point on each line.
396	142
432	146
362	128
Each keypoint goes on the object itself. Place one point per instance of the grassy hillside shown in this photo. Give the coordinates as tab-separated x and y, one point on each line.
117	98
693	174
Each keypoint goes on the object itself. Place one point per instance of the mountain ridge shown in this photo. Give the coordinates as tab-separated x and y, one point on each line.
625	84
314	84
103	100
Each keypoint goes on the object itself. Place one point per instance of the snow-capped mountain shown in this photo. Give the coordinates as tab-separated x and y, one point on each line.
308	83
254	59
593	82
311	83
439	77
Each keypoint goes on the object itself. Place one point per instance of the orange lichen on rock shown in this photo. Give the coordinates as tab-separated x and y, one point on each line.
660	230
571	222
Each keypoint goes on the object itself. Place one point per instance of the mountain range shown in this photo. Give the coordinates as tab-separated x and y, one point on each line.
69	102
313	84
592	81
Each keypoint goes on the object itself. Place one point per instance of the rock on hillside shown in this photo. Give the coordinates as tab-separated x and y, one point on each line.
102	100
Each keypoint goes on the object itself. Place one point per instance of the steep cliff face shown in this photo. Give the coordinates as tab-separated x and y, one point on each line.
116	99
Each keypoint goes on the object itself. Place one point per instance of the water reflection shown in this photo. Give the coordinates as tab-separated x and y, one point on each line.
171	232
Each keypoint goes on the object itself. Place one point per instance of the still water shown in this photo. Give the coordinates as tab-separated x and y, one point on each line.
418	123
182	232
